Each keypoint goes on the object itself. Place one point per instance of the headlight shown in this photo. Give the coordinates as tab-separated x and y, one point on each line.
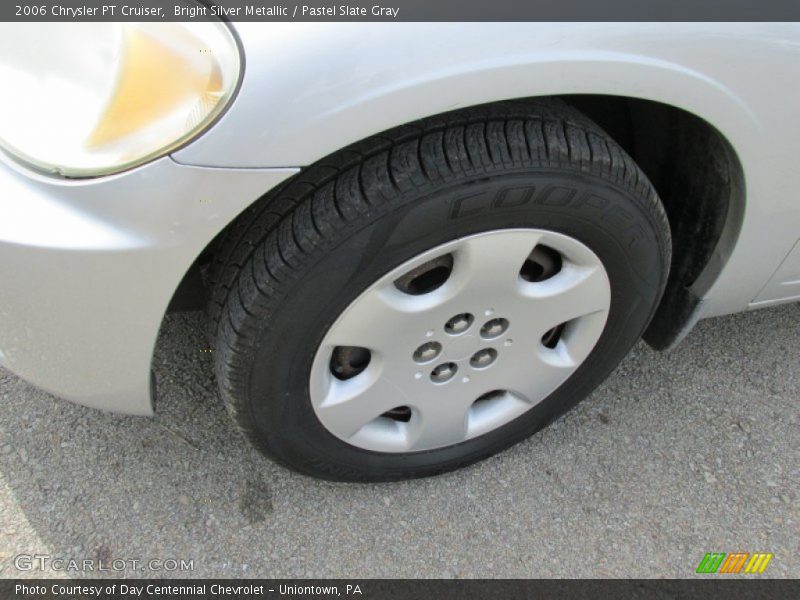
87	99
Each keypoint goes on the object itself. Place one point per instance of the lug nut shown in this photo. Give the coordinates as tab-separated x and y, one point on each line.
459	324
444	372
491	329
483	358
427	352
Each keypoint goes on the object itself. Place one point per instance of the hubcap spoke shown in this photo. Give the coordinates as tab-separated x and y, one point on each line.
488	266
572	293
440	423
580	341
378	320
533	372
351	404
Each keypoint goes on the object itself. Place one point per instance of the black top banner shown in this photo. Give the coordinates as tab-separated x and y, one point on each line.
401	10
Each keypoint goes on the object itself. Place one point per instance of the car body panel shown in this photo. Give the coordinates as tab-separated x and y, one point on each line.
784	284
89	267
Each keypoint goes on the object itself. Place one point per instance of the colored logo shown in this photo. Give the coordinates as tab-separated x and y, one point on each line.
736	562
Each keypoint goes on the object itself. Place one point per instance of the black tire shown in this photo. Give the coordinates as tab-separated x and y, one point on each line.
352	217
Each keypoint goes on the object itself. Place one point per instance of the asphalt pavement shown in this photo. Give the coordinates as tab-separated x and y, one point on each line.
676	455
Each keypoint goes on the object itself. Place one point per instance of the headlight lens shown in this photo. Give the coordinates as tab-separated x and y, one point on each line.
88	99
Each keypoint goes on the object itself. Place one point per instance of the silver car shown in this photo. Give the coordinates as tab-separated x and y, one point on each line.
417	244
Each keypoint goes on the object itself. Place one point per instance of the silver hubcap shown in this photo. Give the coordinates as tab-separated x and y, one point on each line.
479	342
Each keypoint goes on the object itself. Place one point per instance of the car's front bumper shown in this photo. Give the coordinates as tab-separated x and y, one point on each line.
88	267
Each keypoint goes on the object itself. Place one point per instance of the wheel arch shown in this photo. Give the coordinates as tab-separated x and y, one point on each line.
696	172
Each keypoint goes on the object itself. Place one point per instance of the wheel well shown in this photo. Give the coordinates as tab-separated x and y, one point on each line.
697	175
700	182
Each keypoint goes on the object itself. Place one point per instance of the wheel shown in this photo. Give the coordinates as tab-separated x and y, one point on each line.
431	296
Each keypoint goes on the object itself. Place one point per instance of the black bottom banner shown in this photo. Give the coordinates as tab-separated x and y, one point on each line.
589	589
